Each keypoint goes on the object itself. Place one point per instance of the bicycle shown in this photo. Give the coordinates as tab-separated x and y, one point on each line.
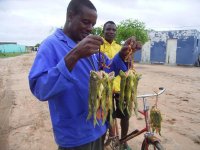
150	140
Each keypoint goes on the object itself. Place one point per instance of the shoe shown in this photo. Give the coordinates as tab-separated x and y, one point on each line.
125	147
109	140
128	148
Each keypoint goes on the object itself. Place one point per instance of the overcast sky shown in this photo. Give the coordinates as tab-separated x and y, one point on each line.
29	21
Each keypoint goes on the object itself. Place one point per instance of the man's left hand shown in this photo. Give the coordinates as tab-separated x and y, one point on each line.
130	46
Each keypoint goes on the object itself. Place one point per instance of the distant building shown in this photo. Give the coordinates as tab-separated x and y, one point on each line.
10	47
1	43
179	47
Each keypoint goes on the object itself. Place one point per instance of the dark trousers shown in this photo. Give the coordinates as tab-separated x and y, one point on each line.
95	145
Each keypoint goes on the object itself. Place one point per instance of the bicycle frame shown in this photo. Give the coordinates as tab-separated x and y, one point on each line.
148	135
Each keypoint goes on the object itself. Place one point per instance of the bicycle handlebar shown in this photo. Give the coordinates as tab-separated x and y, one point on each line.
161	90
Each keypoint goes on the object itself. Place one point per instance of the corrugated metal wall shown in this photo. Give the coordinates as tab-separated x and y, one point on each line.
181	47
185	51
137	56
158	52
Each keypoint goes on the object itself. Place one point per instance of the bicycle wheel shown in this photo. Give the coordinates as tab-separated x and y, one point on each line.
146	145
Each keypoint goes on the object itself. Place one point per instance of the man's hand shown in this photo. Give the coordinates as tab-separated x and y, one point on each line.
130	46
86	47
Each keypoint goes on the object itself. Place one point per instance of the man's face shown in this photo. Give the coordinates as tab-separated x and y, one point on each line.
109	32
81	25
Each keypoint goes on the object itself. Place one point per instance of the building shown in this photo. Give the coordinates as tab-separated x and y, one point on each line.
179	47
11	47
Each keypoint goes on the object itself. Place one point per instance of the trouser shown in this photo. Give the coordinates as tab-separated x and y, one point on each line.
116	111
95	145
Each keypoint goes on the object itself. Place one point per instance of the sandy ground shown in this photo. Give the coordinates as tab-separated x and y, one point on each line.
25	122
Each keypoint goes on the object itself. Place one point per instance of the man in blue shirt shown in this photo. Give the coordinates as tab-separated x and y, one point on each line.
60	75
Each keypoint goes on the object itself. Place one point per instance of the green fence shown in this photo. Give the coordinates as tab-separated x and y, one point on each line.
12	48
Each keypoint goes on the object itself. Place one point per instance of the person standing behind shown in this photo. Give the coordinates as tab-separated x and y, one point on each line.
60	75
111	48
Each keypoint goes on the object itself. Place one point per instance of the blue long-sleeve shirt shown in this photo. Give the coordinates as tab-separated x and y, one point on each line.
67	91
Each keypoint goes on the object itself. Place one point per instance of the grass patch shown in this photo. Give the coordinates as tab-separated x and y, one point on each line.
5	55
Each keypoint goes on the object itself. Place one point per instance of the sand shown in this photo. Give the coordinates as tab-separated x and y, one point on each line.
25	122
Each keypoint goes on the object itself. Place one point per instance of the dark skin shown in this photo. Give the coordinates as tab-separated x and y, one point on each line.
79	27
109	32
109	35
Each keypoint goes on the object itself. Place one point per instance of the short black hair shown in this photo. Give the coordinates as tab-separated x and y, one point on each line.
108	22
75	6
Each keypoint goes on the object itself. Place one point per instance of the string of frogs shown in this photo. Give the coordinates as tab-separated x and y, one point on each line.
101	94
101	91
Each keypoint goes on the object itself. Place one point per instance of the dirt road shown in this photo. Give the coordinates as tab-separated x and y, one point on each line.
25	122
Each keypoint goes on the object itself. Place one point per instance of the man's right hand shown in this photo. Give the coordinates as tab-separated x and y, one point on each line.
86	47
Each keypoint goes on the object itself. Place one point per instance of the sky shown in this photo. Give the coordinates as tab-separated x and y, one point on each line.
29	22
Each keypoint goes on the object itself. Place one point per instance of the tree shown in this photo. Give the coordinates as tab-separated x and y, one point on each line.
97	31
128	28
37	45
